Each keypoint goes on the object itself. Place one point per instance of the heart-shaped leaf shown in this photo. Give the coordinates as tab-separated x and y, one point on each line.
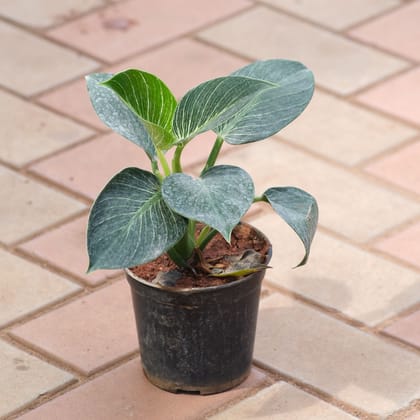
129	223
299	210
251	104
150	99
219	198
116	114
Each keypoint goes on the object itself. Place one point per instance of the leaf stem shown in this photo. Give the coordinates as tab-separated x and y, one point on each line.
259	199
213	154
155	170
163	162
205	237
176	161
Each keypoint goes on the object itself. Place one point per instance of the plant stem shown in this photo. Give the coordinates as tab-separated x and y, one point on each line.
177	258
176	161
207	237
259	199
155	170
213	154
163	162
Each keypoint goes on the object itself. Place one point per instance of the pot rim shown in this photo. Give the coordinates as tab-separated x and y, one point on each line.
191	290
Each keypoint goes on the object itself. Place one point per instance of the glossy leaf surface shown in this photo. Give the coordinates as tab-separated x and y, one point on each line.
150	99
129	223
116	114
299	210
219	198
251	104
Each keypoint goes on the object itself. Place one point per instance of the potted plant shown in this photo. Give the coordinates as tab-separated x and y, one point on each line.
195	270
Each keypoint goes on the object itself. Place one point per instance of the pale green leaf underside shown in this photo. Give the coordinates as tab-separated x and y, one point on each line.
150	99
116	114
129	223
219	198
251	104
299	210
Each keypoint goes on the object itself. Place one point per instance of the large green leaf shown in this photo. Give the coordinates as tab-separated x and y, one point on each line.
251	104
150	99
116	114
219	198
129	223
299	210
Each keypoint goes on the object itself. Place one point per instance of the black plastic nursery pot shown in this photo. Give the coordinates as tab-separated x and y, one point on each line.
199	339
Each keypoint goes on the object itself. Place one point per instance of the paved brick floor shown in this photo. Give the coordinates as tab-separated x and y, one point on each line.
338	338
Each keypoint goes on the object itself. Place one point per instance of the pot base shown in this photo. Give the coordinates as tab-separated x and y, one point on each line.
202	390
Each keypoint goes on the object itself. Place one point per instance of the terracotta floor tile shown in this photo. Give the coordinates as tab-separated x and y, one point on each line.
182	64
44	13
344	132
89	333
28	206
29	132
367	208
400	168
65	247
125	393
357	283
351	365
337	14
88	167
24	378
34	64
73	100
398	96
132	26
282	401
339	64
397	31
407	328
404	244
26	288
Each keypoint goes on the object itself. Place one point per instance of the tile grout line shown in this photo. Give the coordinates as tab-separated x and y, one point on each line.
104	285
156	46
316	392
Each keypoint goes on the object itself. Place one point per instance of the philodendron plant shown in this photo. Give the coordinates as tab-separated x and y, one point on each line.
141	214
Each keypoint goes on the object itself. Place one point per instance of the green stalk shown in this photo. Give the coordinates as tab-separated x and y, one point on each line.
182	251
259	199
163	162
155	170
176	161
213	154
177	258
207	237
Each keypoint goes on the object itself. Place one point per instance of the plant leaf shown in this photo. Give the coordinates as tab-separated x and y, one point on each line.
116	114
249	262
129	223
150	99
299	210
251	104
219	198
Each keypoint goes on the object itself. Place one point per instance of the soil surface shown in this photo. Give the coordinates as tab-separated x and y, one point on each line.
243	238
